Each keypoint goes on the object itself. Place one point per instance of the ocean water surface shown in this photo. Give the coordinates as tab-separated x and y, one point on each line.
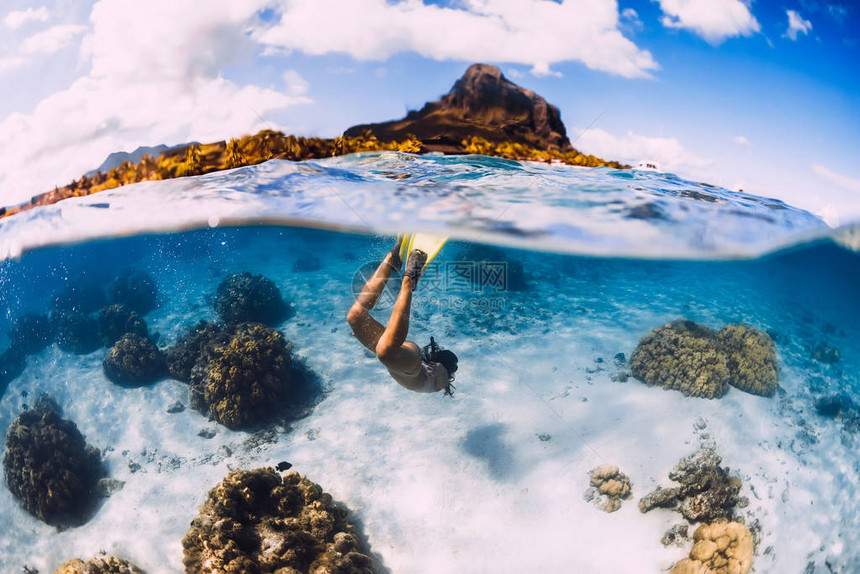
551	277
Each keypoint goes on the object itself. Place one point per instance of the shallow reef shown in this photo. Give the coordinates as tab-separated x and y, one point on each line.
31	333
76	332
691	358
134	361
99	565
134	289
683	356
824	352
489	268
257	521
246	298
750	358
182	356
706	491
720	548
12	363
114	321
81	297
609	486
50	468
242	375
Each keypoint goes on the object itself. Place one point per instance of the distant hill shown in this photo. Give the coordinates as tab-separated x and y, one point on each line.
484	104
116	158
484	114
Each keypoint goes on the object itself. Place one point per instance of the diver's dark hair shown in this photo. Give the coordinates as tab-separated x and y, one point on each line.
433	353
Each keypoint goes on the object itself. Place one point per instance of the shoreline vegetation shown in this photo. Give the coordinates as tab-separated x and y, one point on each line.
198	159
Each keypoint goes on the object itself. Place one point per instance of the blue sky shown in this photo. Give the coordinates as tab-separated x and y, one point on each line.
760	95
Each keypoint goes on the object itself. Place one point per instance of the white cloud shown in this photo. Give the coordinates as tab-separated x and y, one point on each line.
741	140
796	25
630	19
632	148
155	78
295	84
713	20
11	63
845	182
51	40
531	32
17	19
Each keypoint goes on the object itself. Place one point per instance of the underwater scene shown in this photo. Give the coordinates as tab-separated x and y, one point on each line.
613	371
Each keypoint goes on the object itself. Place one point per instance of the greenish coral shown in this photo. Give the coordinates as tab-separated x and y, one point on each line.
257	521
49	466
134	361
750	358
242	376
824	352
114	321
242	297
99	565
682	356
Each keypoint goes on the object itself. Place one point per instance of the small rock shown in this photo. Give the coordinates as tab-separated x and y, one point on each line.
206	433
620	359
108	486
176	407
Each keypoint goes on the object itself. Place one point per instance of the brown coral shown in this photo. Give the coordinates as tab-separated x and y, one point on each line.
682	356
720	548
706	490
240	378
49	466
750	358
134	361
256	521
609	486
99	565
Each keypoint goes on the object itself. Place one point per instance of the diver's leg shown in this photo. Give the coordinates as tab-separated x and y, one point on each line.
390	348
365	328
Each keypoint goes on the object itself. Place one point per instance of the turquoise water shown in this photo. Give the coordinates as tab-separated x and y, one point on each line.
493	479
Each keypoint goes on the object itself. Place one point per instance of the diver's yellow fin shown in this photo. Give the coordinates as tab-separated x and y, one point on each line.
429	244
404	246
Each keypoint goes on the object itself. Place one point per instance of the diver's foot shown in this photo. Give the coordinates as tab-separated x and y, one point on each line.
415	266
396	262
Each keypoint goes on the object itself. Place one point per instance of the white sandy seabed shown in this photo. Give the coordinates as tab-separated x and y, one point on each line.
489	481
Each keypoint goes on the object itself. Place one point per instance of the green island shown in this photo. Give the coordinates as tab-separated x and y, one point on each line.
484	114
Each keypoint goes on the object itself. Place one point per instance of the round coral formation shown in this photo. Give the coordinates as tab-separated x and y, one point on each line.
99	565
31	333
682	356
609	486
750	358
246	298
134	361
182	356
76	332
241	378
49	467
256	521
114	321
135	289
720	548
